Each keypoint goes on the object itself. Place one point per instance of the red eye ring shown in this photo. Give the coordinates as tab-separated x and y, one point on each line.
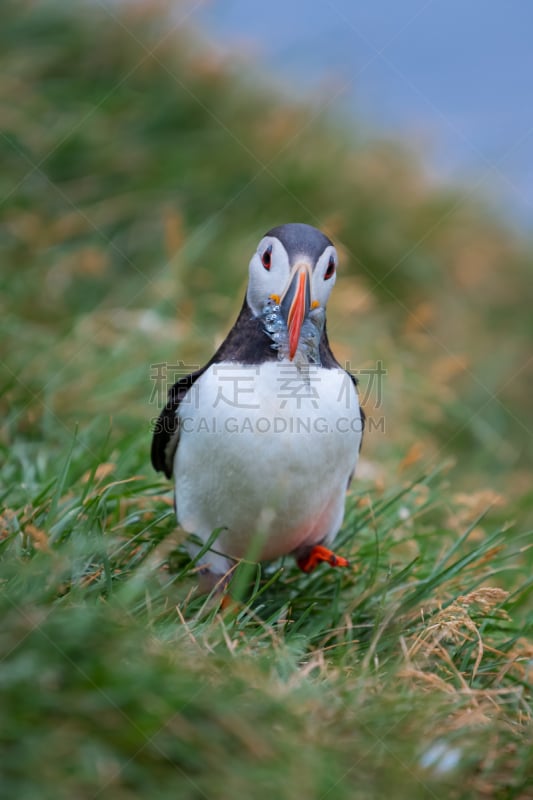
330	271
266	257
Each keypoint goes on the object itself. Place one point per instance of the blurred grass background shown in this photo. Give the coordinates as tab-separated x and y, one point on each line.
138	171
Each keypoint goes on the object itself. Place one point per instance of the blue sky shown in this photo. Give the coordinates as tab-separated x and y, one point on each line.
454	78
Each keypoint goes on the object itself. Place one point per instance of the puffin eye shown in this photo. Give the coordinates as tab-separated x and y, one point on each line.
266	257
330	270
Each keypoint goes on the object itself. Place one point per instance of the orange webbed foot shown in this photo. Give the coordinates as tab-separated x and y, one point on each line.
313	557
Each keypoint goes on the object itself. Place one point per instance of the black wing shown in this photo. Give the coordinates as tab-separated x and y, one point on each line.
361	410
167	428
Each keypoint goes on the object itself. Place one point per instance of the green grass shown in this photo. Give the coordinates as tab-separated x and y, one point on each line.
412	670
133	188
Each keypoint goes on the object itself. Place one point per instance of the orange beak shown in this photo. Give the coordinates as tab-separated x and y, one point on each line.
298	300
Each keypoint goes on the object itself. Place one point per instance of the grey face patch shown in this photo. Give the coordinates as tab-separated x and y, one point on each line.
299	239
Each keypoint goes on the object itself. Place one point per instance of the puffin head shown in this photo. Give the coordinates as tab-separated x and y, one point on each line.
295	266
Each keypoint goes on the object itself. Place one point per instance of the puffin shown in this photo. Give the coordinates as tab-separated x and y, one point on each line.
262	442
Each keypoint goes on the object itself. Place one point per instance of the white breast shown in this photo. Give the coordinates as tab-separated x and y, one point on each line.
266	452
